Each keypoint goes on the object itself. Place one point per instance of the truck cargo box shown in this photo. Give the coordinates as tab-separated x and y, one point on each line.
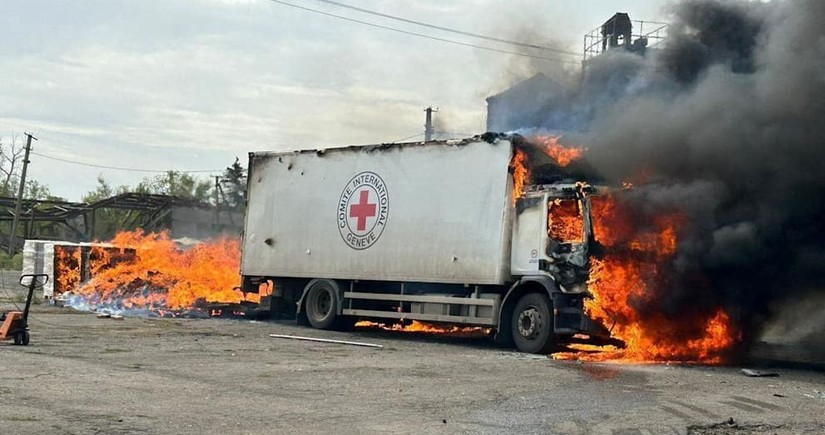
418	212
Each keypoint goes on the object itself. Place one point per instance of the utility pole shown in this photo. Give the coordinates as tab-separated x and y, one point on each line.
429	129
20	190
217	203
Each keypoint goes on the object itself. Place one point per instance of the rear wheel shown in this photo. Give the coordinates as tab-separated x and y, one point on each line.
25	338
321	302
532	324
18	337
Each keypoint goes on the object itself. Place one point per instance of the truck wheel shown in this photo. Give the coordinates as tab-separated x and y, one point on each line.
321	302
25	338
532	324
18	338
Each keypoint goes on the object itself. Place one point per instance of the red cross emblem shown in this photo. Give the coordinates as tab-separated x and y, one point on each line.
363	210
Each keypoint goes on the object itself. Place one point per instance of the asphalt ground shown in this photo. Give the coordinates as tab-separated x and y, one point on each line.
87	375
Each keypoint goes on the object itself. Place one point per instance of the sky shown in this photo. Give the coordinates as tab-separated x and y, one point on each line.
190	85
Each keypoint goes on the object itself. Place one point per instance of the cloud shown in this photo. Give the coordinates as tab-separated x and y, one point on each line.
189	84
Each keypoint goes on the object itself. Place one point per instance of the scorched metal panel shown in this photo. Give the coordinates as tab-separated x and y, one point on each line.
433	212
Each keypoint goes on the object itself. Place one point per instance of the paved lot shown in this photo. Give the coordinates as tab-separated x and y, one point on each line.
84	375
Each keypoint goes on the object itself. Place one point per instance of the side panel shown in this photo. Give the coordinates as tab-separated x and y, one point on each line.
425	213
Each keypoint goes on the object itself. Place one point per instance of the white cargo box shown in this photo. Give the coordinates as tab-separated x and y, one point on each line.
423	212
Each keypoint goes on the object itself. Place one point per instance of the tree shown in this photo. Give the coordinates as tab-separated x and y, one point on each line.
176	183
11	164
37	190
234	183
11	156
107	222
103	190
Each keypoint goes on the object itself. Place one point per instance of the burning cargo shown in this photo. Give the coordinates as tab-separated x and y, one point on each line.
144	274
69	265
444	232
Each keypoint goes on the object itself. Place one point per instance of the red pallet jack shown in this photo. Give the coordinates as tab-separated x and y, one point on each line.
15	323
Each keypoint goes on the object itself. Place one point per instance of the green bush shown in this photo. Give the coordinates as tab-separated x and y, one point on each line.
17	261
14	262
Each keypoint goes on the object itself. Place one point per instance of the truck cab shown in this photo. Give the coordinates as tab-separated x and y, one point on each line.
552	238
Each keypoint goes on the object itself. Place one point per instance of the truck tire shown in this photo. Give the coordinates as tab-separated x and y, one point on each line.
532	324
321	302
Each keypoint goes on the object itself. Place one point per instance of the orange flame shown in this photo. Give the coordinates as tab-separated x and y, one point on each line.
565	221
427	328
264	289
160	275
624	279
67	268
561	154
521	173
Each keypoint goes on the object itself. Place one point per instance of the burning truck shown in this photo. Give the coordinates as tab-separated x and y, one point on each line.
445	232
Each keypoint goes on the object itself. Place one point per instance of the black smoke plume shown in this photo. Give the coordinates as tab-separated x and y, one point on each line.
727	125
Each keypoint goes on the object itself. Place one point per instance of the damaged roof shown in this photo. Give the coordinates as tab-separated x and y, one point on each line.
487	137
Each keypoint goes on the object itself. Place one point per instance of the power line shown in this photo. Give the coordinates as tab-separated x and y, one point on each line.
157	171
421	35
447	29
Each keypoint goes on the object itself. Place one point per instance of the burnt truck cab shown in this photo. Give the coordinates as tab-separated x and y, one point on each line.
551	244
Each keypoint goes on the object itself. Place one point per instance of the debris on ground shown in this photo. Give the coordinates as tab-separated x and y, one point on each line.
759	373
816	395
327	340
519	355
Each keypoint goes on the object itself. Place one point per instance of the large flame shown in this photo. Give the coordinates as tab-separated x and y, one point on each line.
631	272
561	154
520	165
160	275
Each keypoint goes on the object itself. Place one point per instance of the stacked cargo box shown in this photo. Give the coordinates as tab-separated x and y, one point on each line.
69	265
